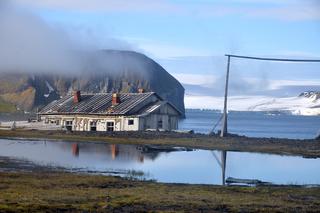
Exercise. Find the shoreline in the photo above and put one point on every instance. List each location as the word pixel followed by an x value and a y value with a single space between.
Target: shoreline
pixel 308 148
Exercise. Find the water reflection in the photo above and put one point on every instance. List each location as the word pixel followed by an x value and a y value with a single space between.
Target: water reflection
pixel 115 151
pixel 222 163
pixel 166 164
pixel 75 149
pixel 223 166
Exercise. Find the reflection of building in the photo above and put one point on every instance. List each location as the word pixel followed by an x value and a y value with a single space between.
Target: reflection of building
pixel 75 149
pixel 119 152
pixel 114 151
pixel 112 112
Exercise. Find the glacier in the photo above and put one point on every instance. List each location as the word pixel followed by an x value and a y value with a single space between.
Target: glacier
pixel 308 106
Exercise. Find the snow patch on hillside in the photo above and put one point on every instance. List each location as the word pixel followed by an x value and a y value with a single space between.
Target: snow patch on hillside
pixel 50 88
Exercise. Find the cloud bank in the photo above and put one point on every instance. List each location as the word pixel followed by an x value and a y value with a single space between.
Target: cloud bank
pixel 30 45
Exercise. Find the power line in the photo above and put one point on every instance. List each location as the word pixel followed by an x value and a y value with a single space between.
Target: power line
pixel 274 59
pixel 224 129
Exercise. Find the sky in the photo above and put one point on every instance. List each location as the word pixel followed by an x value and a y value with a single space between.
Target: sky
pixel 190 37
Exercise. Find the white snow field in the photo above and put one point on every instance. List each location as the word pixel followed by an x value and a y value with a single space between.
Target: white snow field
pixel 295 105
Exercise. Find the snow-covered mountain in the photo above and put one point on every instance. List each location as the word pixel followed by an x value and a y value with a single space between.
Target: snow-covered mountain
pixel 307 103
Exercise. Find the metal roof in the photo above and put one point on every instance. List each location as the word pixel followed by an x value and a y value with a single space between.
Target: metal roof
pixel 99 104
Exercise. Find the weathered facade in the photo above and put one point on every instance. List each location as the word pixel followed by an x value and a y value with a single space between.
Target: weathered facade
pixel 112 112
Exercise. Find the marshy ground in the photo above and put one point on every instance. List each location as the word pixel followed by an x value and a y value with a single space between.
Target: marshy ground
pixel 57 191
pixel 24 188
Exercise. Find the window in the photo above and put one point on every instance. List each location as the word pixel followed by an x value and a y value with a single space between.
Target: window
pixel 160 124
pixel 69 125
pixel 93 126
pixel 130 122
pixel 110 126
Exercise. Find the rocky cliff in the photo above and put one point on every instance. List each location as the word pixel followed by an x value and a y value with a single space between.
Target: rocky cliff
pixel 314 95
pixel 106 71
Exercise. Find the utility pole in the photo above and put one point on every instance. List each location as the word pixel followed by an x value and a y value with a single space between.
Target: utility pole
pixel 224 129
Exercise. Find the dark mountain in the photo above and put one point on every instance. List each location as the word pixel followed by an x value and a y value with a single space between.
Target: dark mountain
pixel 315 95
pixel 105 71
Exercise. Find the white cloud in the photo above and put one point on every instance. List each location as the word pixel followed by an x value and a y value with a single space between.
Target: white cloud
pixel 277 84
pixel 211 81
pixel 195 79
pixel 103 5
pixel 159 50
pixel 289 13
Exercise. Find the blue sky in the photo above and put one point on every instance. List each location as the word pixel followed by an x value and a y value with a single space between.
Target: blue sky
pixel 191 36
pixel 198 28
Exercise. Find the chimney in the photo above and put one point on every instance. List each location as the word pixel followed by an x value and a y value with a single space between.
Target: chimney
pixel 140 90
pixel 76 96
pixel 115 99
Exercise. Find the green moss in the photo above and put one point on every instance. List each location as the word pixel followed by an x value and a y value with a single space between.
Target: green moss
pixel 54 192
pixel 6 107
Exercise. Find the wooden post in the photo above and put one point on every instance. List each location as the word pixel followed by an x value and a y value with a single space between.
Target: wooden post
pixel 224 129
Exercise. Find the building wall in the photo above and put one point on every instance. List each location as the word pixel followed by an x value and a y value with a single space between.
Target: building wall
pixel 164 118
pixel 131 124
pixel 159 121
pixel 83 123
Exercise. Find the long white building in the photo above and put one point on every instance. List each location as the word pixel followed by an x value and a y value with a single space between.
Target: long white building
pixel 112 112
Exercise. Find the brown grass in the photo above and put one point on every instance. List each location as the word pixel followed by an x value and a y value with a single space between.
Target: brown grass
pixel 52 192
pixel 307 148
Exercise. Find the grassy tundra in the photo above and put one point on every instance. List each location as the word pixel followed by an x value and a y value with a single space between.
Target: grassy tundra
pixel 57 191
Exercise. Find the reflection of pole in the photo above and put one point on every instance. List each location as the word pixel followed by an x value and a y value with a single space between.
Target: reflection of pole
pixel 141 158
pixel 224 128
pixel 223 166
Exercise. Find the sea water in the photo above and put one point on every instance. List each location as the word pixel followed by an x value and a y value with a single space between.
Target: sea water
pixel 254 124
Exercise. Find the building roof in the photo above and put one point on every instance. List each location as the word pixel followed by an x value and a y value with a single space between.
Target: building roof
pixel 101 104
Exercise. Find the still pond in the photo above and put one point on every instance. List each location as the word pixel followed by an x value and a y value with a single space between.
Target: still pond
pixel 178 166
